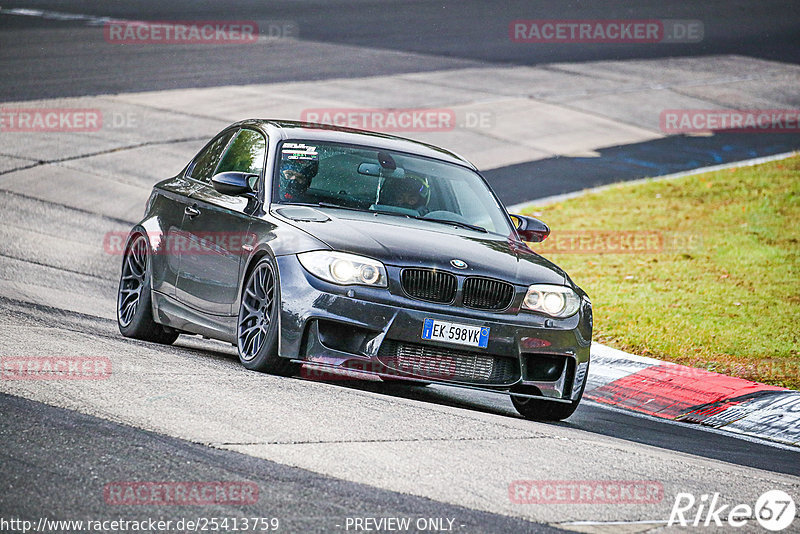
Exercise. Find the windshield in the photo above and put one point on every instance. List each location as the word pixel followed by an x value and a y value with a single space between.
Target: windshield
pixel 368 179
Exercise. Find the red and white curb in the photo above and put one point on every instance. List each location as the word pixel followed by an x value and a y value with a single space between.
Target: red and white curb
pixel 681 393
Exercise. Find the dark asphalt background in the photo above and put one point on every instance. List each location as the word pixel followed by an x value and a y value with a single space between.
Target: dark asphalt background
pixel 55 461
pixel 47 58
pixel 676 153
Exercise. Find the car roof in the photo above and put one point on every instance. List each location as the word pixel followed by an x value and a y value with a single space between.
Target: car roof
pixel 286 129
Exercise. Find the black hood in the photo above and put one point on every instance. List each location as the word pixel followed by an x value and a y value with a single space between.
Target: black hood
pixel 406 242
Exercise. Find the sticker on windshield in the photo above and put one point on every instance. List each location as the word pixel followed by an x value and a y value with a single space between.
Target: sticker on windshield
pixel 299 151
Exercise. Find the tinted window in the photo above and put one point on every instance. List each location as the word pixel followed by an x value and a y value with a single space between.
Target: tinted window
pixel 377 180
pixel 205 163
pixel 245 154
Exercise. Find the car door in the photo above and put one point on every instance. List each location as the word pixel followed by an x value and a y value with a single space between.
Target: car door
pixel 166 205
pixel 215 227
pixel 170 203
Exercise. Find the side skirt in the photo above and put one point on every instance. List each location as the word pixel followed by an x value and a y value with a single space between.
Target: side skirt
pixel 170 312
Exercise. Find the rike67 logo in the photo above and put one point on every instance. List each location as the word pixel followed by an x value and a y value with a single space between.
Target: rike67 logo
pixel 774 511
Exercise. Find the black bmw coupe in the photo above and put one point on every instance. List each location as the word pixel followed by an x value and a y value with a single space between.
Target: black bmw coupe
pixel 355 252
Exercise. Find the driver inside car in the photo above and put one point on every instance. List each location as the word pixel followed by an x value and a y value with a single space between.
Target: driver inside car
pixel 406 192
pixel 295 179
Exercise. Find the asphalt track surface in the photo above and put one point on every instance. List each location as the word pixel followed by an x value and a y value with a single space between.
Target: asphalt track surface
pixel 57 460
pixel 44 57
pixel 660 157
pixel 61 448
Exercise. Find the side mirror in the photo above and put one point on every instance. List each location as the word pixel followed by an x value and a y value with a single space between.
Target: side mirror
pixel 233 183
pixel 530 229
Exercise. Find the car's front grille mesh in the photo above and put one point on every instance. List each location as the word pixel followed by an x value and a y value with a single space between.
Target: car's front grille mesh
pixel 487 294
pixel 439 363
pixel 427 284
pixel 438 286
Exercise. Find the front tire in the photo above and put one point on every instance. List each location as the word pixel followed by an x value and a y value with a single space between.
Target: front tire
pixel 543 410
pixel 134 298
pixel 257 326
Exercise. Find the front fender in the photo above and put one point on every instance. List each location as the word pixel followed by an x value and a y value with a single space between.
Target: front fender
pixel 275 238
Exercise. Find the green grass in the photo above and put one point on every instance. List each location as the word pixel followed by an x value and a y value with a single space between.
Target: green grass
pixel 729 302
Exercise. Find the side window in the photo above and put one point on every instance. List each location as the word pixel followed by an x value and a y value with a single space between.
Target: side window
pixel 245 154
pixel 205 163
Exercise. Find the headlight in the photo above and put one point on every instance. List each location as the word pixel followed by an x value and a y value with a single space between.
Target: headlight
pixel 557 301
pixel 344 269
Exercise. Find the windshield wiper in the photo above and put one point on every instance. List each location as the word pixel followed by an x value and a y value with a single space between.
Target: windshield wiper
pixel 332 205
pixel 396 214
pixel 455 223
pixel 381 212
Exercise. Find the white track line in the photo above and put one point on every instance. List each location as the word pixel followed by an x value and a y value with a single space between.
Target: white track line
pixel 516 208
pixel 94 20
pixel 90 20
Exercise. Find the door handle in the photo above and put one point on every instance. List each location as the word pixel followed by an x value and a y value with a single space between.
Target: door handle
pixel 191 211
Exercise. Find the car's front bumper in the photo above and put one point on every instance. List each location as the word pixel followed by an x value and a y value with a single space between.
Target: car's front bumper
pixel 377 331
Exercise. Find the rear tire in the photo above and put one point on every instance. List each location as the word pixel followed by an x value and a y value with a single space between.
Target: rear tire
pixel 134 298
pixel 257 325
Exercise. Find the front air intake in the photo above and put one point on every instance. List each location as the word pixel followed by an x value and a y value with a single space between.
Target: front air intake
pixel 448 364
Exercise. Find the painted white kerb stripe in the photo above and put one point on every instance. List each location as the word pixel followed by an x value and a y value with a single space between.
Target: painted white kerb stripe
pixel 90 20
pixel 93 20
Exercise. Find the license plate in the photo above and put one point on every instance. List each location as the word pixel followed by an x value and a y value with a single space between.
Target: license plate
pixel 460 334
